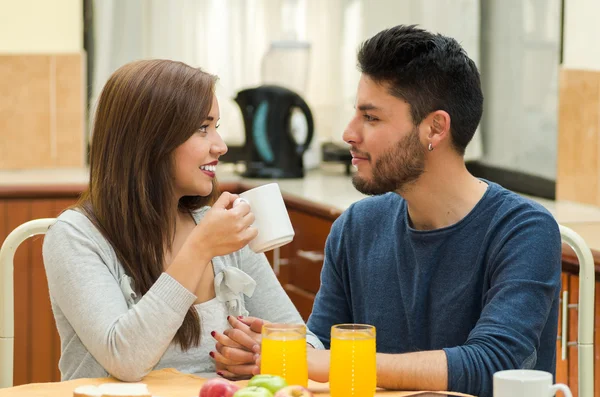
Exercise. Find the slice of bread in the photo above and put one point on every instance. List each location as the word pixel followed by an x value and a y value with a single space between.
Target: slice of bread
pixel 86 391
pixel 113 390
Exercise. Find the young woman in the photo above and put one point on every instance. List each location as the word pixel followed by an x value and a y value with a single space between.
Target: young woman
pixel 142 271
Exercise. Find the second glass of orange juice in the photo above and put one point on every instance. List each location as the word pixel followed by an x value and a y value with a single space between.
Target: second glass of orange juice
pixel 353 370
pixel 283 352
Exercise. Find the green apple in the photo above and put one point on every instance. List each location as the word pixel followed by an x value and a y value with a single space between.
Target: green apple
pixel 273 383
pixel 253 391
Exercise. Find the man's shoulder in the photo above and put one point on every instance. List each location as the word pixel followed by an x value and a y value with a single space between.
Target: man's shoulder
pixel 517 217
pixel 509 203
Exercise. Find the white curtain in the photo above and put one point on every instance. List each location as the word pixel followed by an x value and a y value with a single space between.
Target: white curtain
pixel 224 37
pixel 230 37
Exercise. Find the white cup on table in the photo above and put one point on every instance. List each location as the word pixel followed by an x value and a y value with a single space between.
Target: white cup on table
pixel 526 383
pixel 271 218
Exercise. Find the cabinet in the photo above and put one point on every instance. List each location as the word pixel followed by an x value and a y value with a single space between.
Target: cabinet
pixel 298 264
pixel 303 259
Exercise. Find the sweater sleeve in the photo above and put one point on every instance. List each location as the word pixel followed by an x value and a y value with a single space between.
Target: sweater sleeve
pixel 269 301
pixel 127 342
pixel 331 303
pixel 525 280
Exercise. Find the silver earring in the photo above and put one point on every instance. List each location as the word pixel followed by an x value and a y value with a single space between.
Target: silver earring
pixel 430 147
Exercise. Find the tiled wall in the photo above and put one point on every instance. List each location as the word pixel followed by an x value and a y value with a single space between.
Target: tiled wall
pixel 42 110
pixel 578 173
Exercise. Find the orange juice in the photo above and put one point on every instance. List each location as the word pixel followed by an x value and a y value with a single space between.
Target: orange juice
pixel 353 370
pixel 283 353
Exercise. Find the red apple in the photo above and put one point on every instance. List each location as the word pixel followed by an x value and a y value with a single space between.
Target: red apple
pixel 218 387
pixel 294 391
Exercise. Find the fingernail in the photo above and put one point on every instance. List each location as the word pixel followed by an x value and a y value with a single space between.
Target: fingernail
pixel 228 318
pixel 212 354
pixel 220 374
pixel 213 333
pixel 241 317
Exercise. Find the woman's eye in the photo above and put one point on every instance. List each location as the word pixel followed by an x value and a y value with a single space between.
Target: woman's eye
pixel 218 125
pixel 203 129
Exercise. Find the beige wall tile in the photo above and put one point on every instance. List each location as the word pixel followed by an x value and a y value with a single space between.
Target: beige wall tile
pixel 578 165
pixel 70 110
pixel 24 110
pixel 41 111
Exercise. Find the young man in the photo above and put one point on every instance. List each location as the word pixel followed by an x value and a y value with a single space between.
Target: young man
pixel 460 276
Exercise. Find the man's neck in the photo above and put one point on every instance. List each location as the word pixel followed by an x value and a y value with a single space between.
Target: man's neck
pixel 442 197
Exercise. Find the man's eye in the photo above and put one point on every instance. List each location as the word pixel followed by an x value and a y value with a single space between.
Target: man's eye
pixel 370 118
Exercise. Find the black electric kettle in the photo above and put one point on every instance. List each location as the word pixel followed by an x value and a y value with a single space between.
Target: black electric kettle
pixel 271 151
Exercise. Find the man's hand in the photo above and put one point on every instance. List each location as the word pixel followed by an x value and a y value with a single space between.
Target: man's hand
pixel 237 348
pixel 238 351
pixel 318 365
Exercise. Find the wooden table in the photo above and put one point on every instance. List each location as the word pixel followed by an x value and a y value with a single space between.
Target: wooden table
pixel 161 383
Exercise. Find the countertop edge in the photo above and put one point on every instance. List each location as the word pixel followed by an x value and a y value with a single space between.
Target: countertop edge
pixel 24 192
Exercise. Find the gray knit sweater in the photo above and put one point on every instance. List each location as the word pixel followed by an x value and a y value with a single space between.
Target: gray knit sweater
pixel 106 328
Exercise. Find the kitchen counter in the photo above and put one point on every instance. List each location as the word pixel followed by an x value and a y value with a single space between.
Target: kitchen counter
pixel 327 185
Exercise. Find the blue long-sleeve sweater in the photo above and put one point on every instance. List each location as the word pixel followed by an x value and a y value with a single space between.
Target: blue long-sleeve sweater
pixel 485 290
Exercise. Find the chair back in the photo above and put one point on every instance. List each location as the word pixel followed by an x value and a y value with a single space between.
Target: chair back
pixel 7 308
pixel 585 324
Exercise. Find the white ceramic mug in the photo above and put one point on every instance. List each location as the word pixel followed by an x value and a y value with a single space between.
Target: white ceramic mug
pixel 270 217
pixel 526 383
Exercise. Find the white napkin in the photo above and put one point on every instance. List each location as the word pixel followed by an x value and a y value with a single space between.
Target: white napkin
pixel 229 286
pixel 126 284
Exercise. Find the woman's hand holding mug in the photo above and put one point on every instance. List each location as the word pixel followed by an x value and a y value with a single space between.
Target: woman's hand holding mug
pixel 224 228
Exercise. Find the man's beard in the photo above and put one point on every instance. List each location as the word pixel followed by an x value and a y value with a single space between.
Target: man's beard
pixel 395 169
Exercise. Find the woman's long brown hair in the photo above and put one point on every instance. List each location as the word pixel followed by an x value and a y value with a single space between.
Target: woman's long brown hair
pixel 146 110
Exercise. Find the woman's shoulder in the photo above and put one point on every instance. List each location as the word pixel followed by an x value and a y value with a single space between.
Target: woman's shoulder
pixel 72 241
pixel 74 225
pixel 75 220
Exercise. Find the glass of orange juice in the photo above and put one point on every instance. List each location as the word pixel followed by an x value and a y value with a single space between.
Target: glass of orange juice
pixel 283 352
pixel 352 369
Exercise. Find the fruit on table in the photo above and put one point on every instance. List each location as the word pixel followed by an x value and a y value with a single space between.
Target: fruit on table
pixel 273 383
pixel 294 391
pixel 253 391
pixel 218 387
